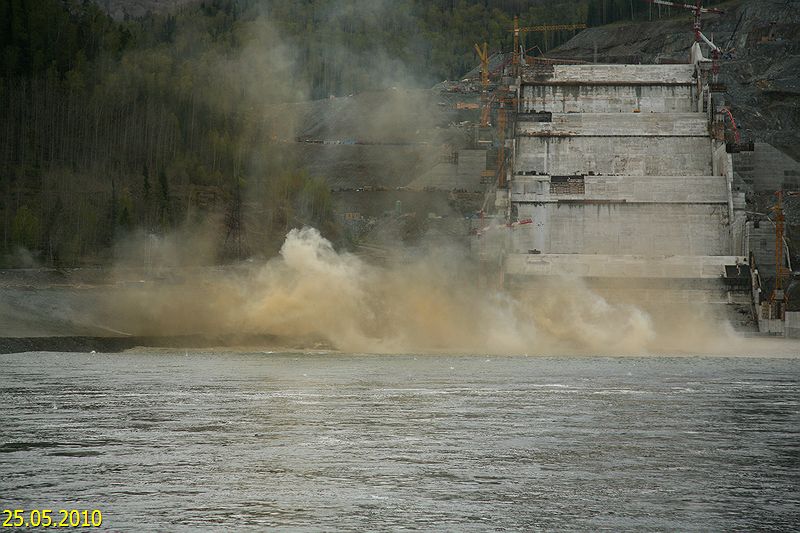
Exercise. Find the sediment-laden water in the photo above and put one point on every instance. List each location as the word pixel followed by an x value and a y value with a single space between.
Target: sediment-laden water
pixel 170 441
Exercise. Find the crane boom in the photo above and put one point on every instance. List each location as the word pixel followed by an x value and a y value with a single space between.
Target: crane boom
pixel 540 28
pixel 553 27
pixel 687 6
pixel 710 43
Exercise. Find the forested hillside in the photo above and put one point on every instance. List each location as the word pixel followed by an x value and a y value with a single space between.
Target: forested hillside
pixel 116 128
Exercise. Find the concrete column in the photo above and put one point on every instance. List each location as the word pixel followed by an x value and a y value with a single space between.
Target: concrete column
pixel 792 325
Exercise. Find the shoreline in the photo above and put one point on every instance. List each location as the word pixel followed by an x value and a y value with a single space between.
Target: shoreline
pixel 750 347
pixel 107 344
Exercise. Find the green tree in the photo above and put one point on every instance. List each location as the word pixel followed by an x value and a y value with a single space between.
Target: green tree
pixel 26 228
pixel 164 205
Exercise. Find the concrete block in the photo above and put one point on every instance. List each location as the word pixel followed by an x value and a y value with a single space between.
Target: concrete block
pixel 792 324
pixel 618 99
pixel 700 271
pixel 634 156
pixel 767 168
pixel 620 73
pixel 619 125
pixel 643 229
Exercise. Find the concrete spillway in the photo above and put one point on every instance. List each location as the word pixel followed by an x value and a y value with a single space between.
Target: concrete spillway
pixel 626 180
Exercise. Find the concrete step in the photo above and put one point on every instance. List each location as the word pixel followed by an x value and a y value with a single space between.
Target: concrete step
pixel 617 125
pixel 622 266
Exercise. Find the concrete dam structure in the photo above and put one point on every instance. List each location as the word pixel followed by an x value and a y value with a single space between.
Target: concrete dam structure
pixel 622 173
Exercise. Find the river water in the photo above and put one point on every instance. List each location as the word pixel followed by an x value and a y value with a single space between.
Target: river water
pixel 166 441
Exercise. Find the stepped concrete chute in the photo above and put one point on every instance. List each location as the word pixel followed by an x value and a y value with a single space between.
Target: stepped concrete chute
pixel 625 183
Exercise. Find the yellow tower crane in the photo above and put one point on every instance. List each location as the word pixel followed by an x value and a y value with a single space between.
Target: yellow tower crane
pixel 541 28
pixel 483 54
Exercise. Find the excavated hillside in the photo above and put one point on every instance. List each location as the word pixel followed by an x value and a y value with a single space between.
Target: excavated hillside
pixel 390 159
pixel 383 139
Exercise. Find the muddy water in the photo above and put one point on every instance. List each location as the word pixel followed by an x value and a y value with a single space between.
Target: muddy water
pixel 178 441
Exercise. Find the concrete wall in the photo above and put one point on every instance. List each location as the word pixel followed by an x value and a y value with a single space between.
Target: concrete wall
pixel 767 169
pixel 648 189
pixel 792 325
pixel 465 174
pixel 649 280
pixel 470 165
pixel 762 246
pixel 608 99
pixel 708 268
pixel 643 229
pixel 772 326
pixel 620 73
pixel 620 124
pixel 637 156
pixel 715 299
pixel 443 175
pixel 722 165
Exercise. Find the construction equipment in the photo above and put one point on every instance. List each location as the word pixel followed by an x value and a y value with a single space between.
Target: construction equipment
pixel 515 61
pixel 483 54
pixel 733 143
pixel 506 106
pixel 729 48
pixel 698 10
pixel 501 150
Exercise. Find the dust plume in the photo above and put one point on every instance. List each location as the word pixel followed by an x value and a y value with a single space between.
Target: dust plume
pixel 311 293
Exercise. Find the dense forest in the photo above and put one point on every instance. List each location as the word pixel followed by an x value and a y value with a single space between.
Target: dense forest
pixel 116 128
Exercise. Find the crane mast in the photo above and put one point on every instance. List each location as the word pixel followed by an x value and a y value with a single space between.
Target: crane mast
pixel 483 55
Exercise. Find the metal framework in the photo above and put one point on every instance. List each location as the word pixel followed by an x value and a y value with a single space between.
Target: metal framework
pixel 515 61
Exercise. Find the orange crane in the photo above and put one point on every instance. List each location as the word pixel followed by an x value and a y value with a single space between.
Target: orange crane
pixel 483 54
pixel 541 28
pixel 781 272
